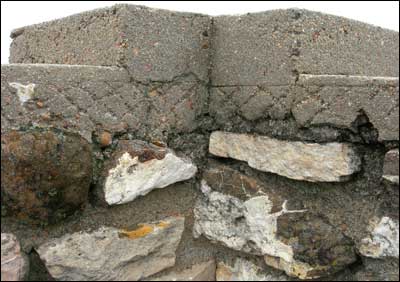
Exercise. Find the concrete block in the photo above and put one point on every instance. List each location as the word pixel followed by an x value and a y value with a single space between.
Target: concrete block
pixel 84 99
pixel 154 45
pixel 273 47
pixel 340 101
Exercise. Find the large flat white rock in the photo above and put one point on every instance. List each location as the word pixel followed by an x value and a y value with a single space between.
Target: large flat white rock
pixel 331 162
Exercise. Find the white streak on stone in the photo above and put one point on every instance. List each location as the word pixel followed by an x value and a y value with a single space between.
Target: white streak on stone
pixel 244 270
pixel 217 220
pixel 331 162
pixel 131 178
pixel 250 227
pixel 24 92
pixel 392 178
pixel 383 241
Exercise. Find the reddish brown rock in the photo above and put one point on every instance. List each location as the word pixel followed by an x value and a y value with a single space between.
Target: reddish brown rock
pixel 45 174
pixel 105 139
pixel 14 264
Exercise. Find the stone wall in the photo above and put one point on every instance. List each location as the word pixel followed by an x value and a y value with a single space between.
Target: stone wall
pixel 142 144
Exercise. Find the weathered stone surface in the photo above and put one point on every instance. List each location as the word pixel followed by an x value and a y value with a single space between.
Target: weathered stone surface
pixel 297 160
pixel 302 245
pixel 383 240
pixel 112 254
pixel 14 264
pixel 391 166
pixel 273 47
pixel 137 167
pixel 245 270
pixel 198 272
pixel 155 45
pixel 45 174
pixel 84 99
pixel 378 270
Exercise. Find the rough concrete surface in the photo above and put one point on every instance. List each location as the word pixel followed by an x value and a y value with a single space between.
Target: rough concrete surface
pixel 169 81
pixel 272 47
pixel 154 45
pixel 84 98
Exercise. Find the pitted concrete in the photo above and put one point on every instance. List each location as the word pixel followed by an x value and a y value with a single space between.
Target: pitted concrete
pixel 84 98
pixel 154 45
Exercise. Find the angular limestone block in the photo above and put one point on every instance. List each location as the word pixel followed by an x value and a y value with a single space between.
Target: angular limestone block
pixel 154 45
pixel 112 254
pixel 313 162
pixel 391 166
pixel 304 247
pixel 136 168
pixel 14 263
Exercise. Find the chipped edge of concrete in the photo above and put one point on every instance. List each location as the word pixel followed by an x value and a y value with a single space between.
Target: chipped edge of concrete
pixel 346 80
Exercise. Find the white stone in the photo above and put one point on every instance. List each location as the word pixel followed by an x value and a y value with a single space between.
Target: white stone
pixel 252 227
pixel 331 162
pixel 24 92
pixel 248 226
pixel 14 263
pixel 109 254
pixel 259 224
pixel 383 240
pixel 244 270
pixel 131 178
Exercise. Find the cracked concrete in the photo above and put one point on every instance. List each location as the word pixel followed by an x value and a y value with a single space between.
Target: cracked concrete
pixel 81 98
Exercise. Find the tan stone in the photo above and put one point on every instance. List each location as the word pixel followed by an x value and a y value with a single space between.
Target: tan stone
pixel 331 162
